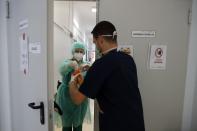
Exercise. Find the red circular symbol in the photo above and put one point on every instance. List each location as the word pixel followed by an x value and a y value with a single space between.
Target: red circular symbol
pixel 158 52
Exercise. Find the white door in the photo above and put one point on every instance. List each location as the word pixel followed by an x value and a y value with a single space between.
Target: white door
pixel 28 69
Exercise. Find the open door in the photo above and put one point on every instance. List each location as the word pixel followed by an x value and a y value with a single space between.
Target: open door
pixel 28 48
pixel 73 21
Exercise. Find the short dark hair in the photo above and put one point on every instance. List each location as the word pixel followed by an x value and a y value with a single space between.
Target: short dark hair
pixel 105 28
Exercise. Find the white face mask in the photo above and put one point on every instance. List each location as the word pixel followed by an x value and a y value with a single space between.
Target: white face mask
pixel 78 56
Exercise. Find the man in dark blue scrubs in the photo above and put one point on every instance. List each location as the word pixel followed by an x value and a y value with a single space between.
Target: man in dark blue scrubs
pixel 112 80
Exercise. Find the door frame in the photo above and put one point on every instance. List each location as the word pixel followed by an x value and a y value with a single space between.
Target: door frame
pixel 5 112
pixel 50 69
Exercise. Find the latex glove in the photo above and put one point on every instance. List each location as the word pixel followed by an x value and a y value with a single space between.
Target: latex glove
pixel 74 65
pixel 84 67
pixel 80 79
pixel 77 77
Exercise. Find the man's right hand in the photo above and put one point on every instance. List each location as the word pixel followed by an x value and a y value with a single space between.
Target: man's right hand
pixel 77 77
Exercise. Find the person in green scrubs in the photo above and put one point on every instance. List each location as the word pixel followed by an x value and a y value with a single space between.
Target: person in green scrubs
pixel 73 115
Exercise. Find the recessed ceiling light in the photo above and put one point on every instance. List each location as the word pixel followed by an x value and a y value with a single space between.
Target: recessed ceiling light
pixel 93 9
pixel 75 23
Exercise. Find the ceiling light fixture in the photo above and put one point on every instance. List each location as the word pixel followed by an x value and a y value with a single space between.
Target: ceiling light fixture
pixel 93 9
pixel 75 23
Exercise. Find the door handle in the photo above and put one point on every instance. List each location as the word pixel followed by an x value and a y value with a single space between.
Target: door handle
pixel 41 107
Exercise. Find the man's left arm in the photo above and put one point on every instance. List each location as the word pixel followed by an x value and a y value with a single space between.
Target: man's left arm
pixel 76 96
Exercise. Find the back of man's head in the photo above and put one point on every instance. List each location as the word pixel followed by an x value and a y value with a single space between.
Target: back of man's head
pixel 105 29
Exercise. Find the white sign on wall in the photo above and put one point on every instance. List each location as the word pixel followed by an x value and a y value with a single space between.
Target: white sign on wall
pixel 143 34
pixel 35 48
pixel 23 24
pixel 24 56
pixel 158 57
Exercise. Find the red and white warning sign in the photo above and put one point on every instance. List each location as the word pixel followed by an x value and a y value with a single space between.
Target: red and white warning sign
pixel 158 57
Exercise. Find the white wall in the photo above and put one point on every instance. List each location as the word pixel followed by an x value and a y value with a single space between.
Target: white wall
pixel 62 42
pixel 5 113
pixel 190 103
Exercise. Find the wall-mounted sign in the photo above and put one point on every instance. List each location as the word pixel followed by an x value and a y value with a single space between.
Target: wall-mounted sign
pixel 35 48
pixel 24 56
pixel 143 34
pixel 23 24
pixel 158 57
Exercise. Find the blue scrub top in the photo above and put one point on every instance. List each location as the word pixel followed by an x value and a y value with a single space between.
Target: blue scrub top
pixel 112 80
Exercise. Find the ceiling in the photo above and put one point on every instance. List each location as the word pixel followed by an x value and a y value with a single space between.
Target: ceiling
pixel 82 13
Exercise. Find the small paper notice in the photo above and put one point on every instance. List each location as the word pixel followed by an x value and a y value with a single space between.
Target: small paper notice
pixel 23 24
pixel 35 48
pixel 24 58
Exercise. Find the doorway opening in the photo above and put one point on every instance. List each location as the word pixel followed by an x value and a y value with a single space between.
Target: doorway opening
pixel 73 22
